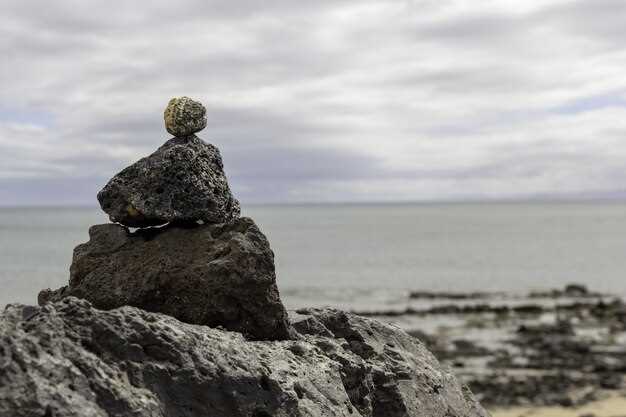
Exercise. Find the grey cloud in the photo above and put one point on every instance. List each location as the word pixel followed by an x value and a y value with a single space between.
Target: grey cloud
pixel 325 96
pixel 599 19
pixel 582 19
pixel 461 80
pixel 273 164
pixel 272 174
pixel 478 29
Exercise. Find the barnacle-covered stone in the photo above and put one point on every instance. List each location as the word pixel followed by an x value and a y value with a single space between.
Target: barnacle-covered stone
pixel 184 116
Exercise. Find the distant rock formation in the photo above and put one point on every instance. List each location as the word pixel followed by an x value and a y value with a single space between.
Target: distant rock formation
pixel 207 333
pixel 68 359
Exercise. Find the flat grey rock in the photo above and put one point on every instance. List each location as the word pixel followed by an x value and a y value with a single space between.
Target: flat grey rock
pixel 216 275
pixel 68 359
pixel 182 181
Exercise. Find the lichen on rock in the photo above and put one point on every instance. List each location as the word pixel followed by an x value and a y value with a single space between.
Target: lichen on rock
pixel 184 116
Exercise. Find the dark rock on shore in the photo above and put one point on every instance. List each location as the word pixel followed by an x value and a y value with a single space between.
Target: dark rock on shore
pixel 554 388
pixel 217 275
pixel 560 347
pixel 183 181
pixel 570 291
pixel 69 359
pixel 450 295
pixel 458 309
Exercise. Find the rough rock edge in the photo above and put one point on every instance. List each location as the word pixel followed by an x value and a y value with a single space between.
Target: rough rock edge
pixel 68 359
pixel 216 275
pixel 182 181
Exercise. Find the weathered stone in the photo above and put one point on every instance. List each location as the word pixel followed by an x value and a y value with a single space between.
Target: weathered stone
pixel 184 116
pixel 385 371
pixel 216 275
pixel 182 181
pixel 67 359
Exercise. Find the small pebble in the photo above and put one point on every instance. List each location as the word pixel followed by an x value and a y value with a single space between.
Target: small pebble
pixel 184 116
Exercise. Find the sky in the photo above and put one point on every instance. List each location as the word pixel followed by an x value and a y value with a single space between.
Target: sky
pixel 320 101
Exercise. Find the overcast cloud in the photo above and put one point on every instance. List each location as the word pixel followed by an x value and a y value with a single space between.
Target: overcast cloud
pixel 322 100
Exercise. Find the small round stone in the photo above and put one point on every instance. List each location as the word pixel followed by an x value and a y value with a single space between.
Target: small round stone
pixel 184 116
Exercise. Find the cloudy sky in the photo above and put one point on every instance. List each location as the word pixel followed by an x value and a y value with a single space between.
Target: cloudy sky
pixel 320 100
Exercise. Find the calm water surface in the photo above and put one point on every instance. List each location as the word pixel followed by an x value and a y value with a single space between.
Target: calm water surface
pixel 370 256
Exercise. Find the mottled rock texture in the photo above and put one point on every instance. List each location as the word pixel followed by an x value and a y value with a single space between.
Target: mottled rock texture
pixel 183 181
pixel 67 359
pixel 184 116
pixel 217 275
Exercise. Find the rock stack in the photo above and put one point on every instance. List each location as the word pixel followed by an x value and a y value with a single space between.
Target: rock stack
pixel 203 265
pixel 141 329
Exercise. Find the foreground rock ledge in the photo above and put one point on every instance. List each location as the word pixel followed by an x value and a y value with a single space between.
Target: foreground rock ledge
pixel 216 275
pixel 70 359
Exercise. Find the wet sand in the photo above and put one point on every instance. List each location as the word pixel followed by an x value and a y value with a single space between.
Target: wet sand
pixel 612 406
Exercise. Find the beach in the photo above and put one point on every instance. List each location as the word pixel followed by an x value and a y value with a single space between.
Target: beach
pixel 612 406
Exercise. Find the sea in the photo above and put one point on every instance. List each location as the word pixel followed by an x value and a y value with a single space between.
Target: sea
pixel 370 256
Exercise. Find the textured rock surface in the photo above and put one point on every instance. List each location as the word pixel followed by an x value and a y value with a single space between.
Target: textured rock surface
pixel 184 116
pixel 218 275
pixel 182 181
pixel 68 359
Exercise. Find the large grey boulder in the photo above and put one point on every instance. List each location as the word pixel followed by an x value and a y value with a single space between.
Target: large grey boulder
pixel 182 181
pixel 217 275
pixel 68 359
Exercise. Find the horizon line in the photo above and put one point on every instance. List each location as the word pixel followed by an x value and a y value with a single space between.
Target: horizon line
pixel 512 200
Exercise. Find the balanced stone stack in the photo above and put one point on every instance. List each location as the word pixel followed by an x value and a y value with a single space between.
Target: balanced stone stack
pixel 203 265
pixel 182 317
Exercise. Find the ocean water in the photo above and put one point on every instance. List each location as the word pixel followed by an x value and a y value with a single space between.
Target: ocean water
pixel 370 256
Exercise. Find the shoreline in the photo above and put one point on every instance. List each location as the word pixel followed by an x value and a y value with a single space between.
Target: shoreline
pixel 561 348
pixel 612 406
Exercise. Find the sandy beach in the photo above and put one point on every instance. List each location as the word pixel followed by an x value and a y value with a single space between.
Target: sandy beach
pixel 613 405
